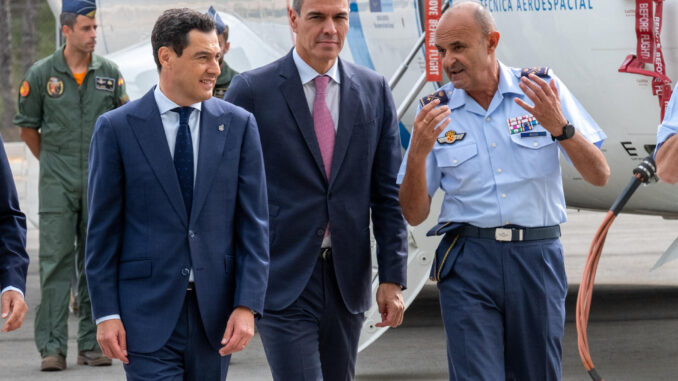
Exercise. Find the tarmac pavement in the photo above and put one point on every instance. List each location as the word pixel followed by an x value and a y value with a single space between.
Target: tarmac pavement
pixel 633 332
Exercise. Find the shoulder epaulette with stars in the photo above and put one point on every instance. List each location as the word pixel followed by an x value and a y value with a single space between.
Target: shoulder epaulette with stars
pixel 538 71
pixel 440 94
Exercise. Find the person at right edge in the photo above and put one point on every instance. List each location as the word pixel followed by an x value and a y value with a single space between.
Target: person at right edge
pixel 666 152
pixel 493 149
pixel 331 144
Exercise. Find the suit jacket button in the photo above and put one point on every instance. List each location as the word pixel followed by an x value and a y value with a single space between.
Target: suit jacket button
pixel 185 271
pixel 320 233
pixel 191 234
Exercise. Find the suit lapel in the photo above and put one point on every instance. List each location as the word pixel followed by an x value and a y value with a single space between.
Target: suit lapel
pixel 296 100
pixel 348 106
pixel 148 128
pixel 210 152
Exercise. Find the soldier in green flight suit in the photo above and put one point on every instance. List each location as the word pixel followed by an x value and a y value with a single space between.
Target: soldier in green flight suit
pixel 59 101
pixel 227 73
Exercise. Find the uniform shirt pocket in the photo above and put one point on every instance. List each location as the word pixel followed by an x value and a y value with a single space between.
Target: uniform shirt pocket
pixel 454 156
pixel 539 154
pixel 458 165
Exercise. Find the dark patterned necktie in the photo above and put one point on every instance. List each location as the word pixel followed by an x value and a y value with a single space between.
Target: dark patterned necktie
pixel 183 156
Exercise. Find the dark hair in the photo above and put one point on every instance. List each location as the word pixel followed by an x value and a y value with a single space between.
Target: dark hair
pixel 172 28
pixel 225 33
pixel 69 19
pixel 296 5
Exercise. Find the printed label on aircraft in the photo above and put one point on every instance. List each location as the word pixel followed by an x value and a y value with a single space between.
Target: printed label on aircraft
pixel 505 6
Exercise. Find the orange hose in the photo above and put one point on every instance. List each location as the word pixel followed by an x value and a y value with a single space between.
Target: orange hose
pixel 586 291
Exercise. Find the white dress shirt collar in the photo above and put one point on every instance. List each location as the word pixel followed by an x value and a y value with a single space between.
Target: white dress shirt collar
pixel 307 73
pixel 165 104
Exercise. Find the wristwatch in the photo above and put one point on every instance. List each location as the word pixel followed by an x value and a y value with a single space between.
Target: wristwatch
pixel 568 132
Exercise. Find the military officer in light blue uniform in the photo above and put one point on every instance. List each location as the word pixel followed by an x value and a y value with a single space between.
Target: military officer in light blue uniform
pixel 491 141
pixel 667 156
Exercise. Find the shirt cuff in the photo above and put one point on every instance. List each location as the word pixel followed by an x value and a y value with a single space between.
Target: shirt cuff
pixel 109 317
pixel 12 288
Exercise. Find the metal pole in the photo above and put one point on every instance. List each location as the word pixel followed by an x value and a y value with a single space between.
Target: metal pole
pixel 401 70
pixel 410 56
pixel 407 102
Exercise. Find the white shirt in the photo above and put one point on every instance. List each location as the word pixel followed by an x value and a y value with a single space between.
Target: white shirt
pixel 307 75
pixel 170 123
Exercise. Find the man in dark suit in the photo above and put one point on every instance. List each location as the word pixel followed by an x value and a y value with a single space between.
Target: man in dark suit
pixel 331 147
pixel 13 256
pixel 177 263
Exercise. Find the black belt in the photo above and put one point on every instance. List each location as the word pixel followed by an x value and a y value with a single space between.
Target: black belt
pixel 512 234
pixel 326 253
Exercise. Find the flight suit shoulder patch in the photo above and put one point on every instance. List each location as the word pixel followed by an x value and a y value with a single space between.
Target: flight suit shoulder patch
pixel 104 83
pixel 25 89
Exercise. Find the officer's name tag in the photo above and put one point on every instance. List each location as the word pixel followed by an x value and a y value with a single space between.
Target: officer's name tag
pixel 104 83
pixel 440 94
pixel 532 134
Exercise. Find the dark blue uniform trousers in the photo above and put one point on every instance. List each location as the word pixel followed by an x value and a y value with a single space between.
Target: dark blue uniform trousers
pixel 316 337
pixel 187 355
pixel 503 307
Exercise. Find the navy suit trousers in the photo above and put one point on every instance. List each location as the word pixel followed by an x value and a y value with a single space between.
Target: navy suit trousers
pixel 503 307
pixel 187 355
pixel 315 338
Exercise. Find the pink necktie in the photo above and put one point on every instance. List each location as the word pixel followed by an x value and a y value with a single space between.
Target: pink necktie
pixel 324 127
pixel 322 122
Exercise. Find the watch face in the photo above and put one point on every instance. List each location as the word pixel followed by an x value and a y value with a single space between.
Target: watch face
pixel 568 131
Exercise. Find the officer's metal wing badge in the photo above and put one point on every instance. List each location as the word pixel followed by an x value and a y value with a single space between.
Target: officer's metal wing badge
pixel 451 137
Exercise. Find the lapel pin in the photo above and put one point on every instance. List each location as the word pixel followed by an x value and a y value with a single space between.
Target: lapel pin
pixel 221 127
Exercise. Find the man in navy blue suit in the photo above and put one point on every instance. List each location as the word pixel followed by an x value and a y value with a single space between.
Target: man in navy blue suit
pixel 177 254
pixel 13 256
pixel 329 133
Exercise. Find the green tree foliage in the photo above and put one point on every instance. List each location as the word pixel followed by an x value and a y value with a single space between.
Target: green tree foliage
pixel 45 26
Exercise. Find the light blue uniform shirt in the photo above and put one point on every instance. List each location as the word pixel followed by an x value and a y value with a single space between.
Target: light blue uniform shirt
pixel 492 178
pixel 669 126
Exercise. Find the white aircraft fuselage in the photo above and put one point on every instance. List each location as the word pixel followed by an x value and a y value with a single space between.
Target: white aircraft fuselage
pixel 583 41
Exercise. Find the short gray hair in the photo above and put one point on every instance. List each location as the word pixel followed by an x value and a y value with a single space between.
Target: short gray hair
pixel 481 14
